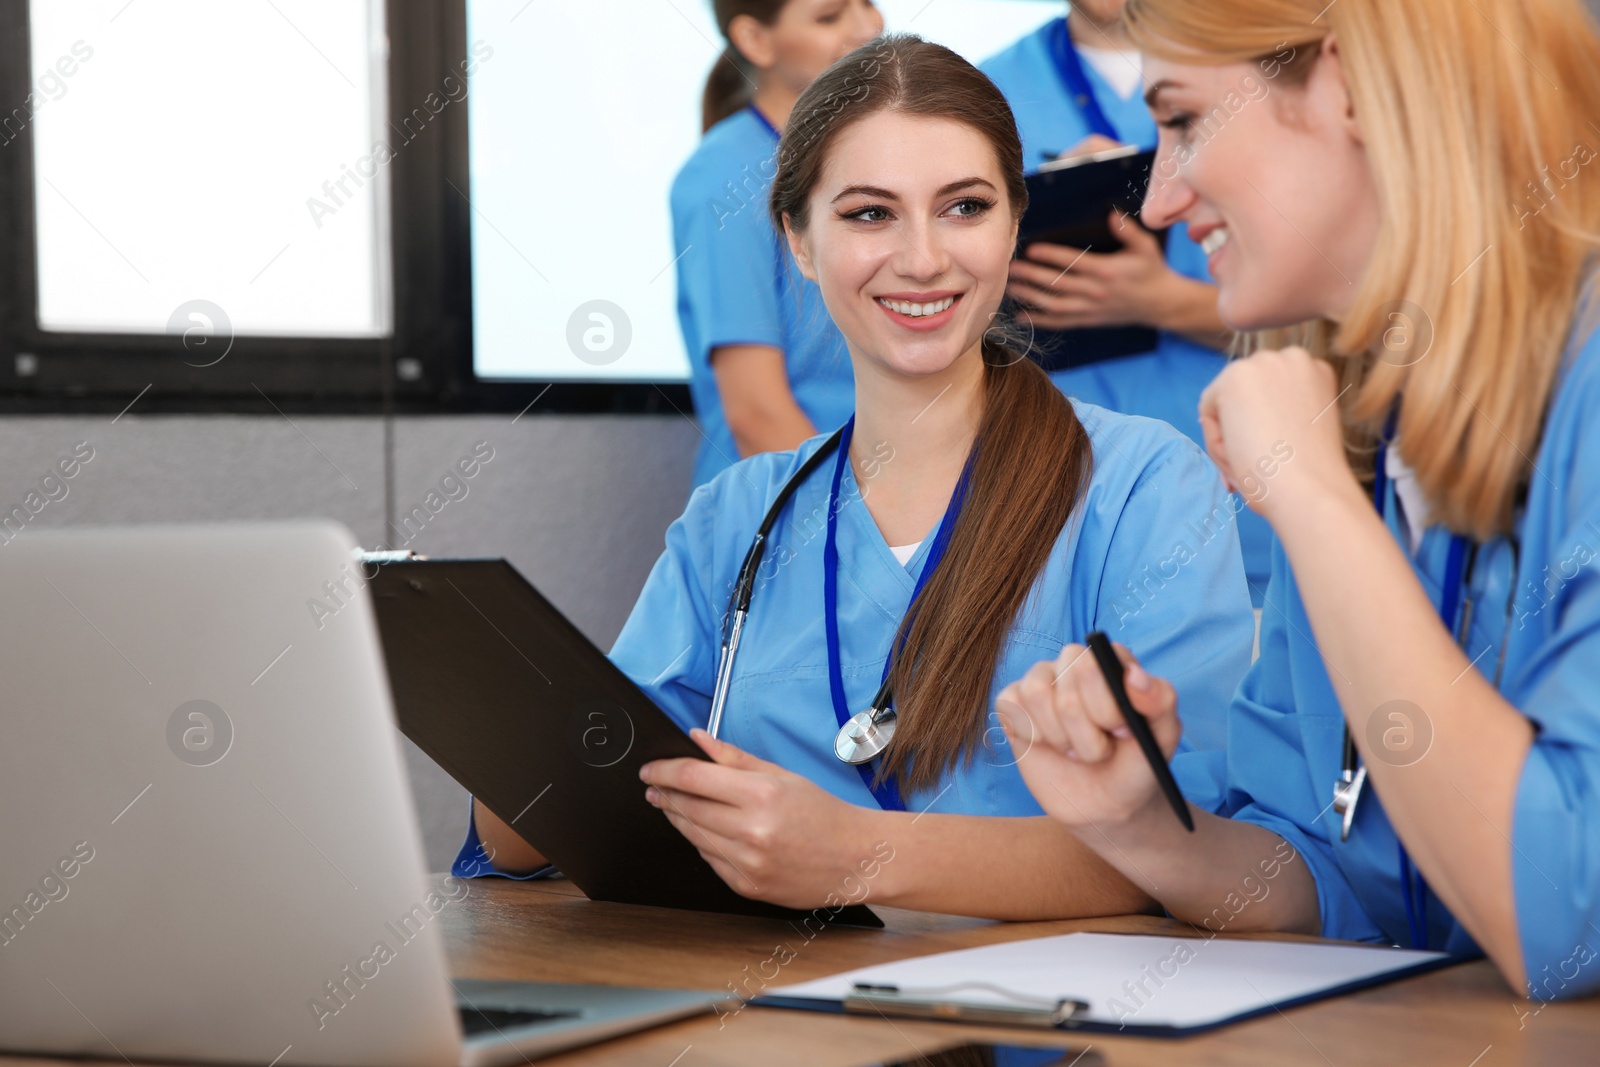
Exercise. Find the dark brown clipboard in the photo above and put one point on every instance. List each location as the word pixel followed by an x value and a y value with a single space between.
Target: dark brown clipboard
pixel 503 692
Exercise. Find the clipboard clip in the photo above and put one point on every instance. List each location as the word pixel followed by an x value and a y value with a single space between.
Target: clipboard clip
pixel 364 556
pixel 938 1002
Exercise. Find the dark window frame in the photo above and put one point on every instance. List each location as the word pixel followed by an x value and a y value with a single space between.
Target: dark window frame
pixel 432 272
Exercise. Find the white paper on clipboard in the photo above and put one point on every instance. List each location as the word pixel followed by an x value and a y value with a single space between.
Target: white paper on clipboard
pixel 1139 982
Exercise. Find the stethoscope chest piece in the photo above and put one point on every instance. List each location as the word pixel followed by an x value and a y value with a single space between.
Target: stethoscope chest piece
pixel 864 736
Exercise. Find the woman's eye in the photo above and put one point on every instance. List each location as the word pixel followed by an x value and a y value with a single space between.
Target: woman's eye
pixel 1179 122
pixel 868 214
pixel 971 206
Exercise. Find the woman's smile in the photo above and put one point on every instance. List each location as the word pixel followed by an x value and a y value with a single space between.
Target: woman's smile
pixel 922 312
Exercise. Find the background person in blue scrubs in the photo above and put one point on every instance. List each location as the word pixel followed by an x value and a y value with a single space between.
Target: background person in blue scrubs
pixel 1431 312
pixel 1076 85
pixel 768 367
pixel 1031 521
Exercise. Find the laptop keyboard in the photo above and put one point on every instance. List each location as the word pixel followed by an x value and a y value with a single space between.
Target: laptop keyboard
pixel 475 1021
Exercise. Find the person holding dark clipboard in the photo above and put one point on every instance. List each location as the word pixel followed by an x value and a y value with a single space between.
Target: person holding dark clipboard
pixel 841 616
pixel 1406 225
pixel 1075 86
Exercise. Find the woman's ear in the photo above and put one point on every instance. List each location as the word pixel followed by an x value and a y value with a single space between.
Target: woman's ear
pixel 797 247
pixel 1330 67
pixel 752 40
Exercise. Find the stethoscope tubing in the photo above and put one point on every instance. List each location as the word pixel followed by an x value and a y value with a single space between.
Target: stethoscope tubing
pixel 744 588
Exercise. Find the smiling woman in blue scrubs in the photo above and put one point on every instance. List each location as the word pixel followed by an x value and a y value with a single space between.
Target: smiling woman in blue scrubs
pixel 1075 84
pixel 1025 521
pixel 768 368
pixel 1415 759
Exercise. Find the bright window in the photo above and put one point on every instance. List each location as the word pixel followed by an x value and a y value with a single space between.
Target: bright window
pixel 581 114
pixel 193 157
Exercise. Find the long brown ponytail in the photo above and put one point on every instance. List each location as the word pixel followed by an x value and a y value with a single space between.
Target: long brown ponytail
pixel 728 85
pixel 1033 457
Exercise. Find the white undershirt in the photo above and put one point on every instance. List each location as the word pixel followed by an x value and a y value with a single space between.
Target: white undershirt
pixel 1413 503
pixel 905 552
pixel 1123 71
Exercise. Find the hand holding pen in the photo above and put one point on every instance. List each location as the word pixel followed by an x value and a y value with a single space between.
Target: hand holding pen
pixel 1092 732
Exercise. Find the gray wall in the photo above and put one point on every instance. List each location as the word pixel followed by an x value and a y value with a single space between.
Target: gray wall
pixel 577 503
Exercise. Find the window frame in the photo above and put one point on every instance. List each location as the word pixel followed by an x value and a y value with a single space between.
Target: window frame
pixel 430 226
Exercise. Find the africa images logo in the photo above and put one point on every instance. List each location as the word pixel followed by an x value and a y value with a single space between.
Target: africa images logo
pixel 199 733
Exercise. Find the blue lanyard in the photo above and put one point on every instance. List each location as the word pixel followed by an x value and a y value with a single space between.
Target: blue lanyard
pixel 886 792
pixel 1411 879
pixel 1069 65
pixel 765 122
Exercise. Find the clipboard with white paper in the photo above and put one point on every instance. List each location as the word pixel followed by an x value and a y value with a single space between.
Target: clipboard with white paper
pixel 1137 984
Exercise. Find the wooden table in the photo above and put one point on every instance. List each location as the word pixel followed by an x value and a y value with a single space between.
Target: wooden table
pixel 1463 1016
pixel 547 931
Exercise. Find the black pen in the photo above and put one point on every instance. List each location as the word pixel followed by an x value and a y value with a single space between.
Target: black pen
pixel 1112 668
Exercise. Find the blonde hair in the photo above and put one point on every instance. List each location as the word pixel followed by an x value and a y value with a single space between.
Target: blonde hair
pixel 1476 118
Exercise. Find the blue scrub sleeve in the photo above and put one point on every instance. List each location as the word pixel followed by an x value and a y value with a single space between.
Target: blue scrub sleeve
pixel 1555 831
pixel 473 860
pixel 1555 881
pixel 670 643
pixel 1174 592
pixel 729 274
pixel 1269 779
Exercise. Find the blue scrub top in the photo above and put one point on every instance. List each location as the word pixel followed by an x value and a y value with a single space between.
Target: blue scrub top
pixel 1149 557
pixel 1165 383
pixel 738 284
pixel 1134 561
pixel 1285 731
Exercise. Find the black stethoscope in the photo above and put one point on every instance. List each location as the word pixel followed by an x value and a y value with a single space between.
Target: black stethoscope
pixel 1455 601
pixel 863 736
pixel 739 603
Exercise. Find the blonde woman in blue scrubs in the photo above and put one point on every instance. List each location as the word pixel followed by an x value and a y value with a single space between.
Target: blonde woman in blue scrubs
pixel 768 369
pixel 1408 218
pixel 972 516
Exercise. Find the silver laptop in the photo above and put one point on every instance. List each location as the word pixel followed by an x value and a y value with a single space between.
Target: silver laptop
pixel 208 849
